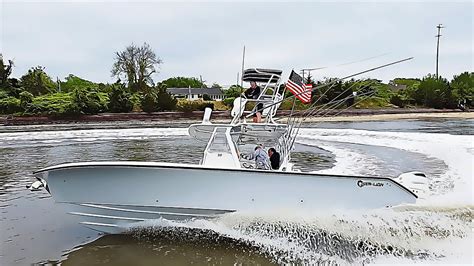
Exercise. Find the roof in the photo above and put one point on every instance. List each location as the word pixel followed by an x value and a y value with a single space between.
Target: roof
pixel 185 91
pixel 262 75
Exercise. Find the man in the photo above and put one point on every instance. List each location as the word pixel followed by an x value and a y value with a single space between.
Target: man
pixel 253 93
pixel 261 158
pixel 274 158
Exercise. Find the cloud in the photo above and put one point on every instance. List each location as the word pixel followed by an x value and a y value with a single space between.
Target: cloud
pixel 206 38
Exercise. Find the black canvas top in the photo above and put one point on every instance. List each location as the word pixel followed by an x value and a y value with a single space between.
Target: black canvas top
pixel 262 75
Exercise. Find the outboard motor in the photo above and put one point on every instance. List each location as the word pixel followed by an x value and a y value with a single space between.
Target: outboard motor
pixel 415 181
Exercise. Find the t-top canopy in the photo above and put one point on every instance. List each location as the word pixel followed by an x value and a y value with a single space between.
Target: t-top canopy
pixel 262 75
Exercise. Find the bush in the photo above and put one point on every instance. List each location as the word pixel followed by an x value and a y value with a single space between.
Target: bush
pixel 229 101
pixel 37 82
pixel 51 104
pixel 25 99
pixel 437 92
pixel 398 100
pixel 206 97
pixel 373 102
pixel 87 102
pixel 72 82
pixel 10 105
pixel 234 91
pixel 189 106
pixel 165 101
pixel 120 100
pixel 149 101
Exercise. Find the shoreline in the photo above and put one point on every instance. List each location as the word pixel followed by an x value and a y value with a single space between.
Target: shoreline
pixel 165 119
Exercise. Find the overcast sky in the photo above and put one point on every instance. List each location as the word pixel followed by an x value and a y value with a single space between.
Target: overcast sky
pixel 195 38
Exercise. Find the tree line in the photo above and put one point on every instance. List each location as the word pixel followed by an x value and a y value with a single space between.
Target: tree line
pixel 135 90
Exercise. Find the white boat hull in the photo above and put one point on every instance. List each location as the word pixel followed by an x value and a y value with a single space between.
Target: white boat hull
pixel 110 196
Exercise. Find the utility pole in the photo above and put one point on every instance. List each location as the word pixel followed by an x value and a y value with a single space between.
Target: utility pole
pixel 440 26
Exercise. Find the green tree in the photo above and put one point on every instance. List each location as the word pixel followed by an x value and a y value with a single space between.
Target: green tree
pixel 120 99
pixel 165 101
pixel 5 72
pixel 149 100
pixel 436 92
pixel 234 91
pixel 216 86
pixel 183 82
pixel 73 82
pixel 37 82
pixel 86 101
pixel 463 87
pixel 136 64
pixel 26 98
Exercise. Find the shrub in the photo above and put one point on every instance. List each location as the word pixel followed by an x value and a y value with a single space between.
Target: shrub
pixel 72 82
pixel 165 101
pixel 398 100
pixel 229 101
pixel 149 101
pixel 120 100
pixel 87 102
pixel 189 106
pixel 10 105
pixel 206 97
pixel 25 99
pixel 37 82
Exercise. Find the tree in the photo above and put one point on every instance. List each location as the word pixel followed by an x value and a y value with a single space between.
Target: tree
pixel 234 91
pixel 436 92
pixel 136 64
pixel 5 72
pixel 463 87
pixel 183 82
pixel 165 101
pixel 149 100
pixel 37 82
pixel 216 86
pixel 73 82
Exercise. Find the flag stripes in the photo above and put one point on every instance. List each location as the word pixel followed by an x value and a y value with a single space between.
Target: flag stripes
pixel 296 86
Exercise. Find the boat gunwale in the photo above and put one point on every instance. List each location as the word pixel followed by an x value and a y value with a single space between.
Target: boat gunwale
pixel 134 164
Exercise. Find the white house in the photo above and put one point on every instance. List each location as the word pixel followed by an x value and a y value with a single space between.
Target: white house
pixel 196 93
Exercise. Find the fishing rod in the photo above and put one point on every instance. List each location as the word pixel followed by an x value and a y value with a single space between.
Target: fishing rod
pixel 369 94
pixel 333 82
pixel 313 110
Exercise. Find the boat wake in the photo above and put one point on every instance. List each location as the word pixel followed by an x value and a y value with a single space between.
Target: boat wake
pixel 405 234
pixel 450 183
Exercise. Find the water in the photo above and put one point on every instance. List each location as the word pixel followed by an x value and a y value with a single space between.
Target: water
pixel 436 230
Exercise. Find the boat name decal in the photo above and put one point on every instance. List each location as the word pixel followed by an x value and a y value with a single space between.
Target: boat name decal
pixel 361 183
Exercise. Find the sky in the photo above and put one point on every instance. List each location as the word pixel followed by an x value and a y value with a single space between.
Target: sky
pixel 207 38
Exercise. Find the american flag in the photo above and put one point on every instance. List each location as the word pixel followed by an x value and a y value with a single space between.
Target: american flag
pixel 298 88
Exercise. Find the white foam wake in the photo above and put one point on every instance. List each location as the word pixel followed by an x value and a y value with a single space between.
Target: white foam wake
pixel 89 135
pixel 455 150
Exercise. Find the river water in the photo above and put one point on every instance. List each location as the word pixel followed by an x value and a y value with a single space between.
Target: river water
pixel 438 229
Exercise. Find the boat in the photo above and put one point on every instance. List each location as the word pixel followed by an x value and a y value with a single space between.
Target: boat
pixel 115 196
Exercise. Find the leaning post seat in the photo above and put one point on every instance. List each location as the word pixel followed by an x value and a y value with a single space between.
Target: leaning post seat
pixel 262 75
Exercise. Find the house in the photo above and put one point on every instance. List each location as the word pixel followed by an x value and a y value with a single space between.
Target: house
pixel 192 94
